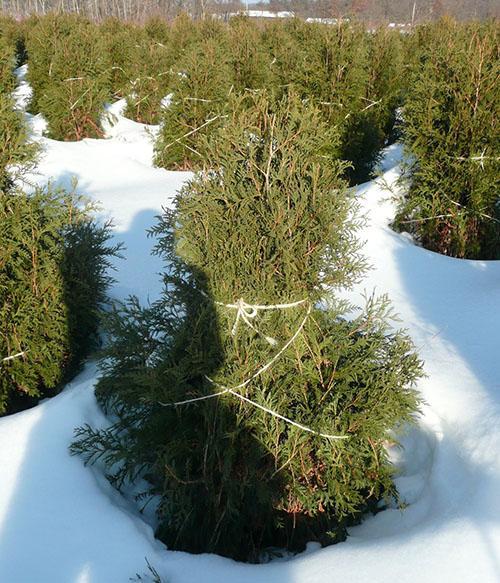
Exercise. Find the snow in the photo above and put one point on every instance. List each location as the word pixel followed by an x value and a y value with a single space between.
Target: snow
pixel 63 523
pixel 263 14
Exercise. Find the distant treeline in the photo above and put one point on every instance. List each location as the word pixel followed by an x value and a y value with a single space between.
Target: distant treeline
pixel 372 11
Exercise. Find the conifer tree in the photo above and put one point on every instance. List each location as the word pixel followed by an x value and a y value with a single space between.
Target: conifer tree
pixel 17 154
pixel 331 67
pixel 150 81
pixel 12 34
pixel 452 134
pixel 7 60
pixel 257 416
pixel 53 281
pixel 200 91
pixel 69 74
pixel 249 58
pixel 120 40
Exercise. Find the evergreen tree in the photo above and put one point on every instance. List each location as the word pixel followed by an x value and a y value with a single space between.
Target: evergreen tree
pixel 53 262
pixel 331 66
pixel 69 74
pixel 12 34
pixel 120 39
pixel 150 81
pixel 201 87
pixel 249 58
pixel 256 426
pixel 7 60
pixel 451 133
pixel 17 154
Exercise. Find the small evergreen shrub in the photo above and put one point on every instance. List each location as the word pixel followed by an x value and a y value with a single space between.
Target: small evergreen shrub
pixel 150 81
pixel 120 39
pixel 249 59
pixel 334 67
pixel 267 221
pixel 387 79
pixel 69 74
pixel 17 154
pixel 53 262
pixel 451 134
pixel 371 124
pixel 201 87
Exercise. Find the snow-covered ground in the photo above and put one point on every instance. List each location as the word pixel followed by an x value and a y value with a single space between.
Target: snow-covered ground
pixel 62 523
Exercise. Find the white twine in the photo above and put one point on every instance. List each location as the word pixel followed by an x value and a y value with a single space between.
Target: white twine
pixel 209 121
pixel 246 311
pixel 286 419
pixel 19 354
pixel 481 158
pixel 273 359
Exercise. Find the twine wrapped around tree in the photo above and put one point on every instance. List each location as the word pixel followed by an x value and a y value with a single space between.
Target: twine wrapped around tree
pixel 259 421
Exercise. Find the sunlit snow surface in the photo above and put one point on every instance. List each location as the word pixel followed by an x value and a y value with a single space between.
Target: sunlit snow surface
pixel 62 523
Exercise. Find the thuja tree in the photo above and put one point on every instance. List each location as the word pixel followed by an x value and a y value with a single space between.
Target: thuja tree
pixel 7 60
pixel 200 91
pixel 370 124
pixel 451 133
pixel 69 73
pixel 258 417
pixel 387 80
pixel 330 66
pixel 121 40
pixel 17 153
pixel 12 34
pixel 150 81
pixel 287 45
pixel 53 280
pixel 249 58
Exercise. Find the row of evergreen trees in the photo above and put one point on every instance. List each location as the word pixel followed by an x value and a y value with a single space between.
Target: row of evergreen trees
pixel 53 263
pixel 76 65
pixel 356 79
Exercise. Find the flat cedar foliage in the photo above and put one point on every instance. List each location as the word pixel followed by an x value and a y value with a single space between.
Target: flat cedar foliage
pixel 53 263
pixel 452 134
pixel 201 87
pixel 354 78
pixel 121 40
pixel 266 220
pixel 69 73
pixel 150 82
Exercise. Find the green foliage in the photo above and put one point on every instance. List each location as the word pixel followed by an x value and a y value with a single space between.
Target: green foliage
pixel 53 260
pixel 249 58
pixel 12 34
pixel 349 74
pixel 452 136
pixel 150 80
pixel 69 74
pixel 120 40
pixel 17 154
pixel 7 61
pixel 201 86
pixel 387 79
pixel 268 221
